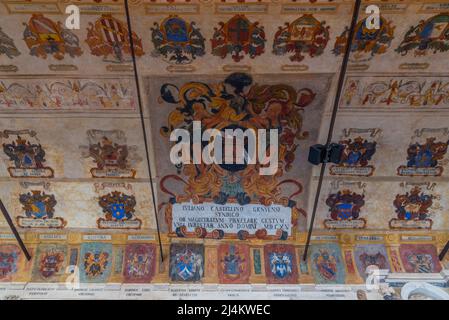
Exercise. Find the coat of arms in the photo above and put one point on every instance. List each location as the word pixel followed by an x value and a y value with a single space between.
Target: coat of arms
pixel 177 40
pixel 304 35
pixel 140 263
pixel 39 209
pixel 326 264
pixel 234 263
pixel 237 104
pixel 46 37
pixel 119 212
pixel 421 263
pixel 28 157
pixel 7 46
pixel 424 159
pixel 344 207
pixel 238 36
pixel 9 257
pixel 51 263
pixel 186 262
pixel 95 263
pixel 112 156
pixel 367 42
pixel 373 259
pixel 109 37
pixel 412 209
pixel 355 157
pixel 280 264
pixel 431 35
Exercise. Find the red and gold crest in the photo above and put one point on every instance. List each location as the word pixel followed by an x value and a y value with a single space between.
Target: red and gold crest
pixel 46 37
pixel 109 36
pixel 238 36
pixel 304 35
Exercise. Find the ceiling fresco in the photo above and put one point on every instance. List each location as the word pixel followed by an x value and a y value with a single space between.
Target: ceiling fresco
pixel 85 169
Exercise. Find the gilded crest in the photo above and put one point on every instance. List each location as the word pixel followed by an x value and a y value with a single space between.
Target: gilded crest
pixel 39 210
pixel 177 41
pixel 45 37
pixel 96 263
pixel 344 208
pixel 431 35
pixel 108 37
pixel 305 35
pixel 326 264
pixel 366 42
pixel 413 210
pixel 425 159
pixel 111 154
pixel 38 205
pixel 355 157
pixel 119 212
pixel 238 37
pixel 51 263
pixel 28 157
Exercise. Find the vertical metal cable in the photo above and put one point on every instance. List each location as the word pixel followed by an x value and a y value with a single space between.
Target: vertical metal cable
pixel 341 79
pixel 139 98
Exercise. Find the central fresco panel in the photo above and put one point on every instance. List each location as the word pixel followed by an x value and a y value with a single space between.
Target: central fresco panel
pixel 73 164
pixel 234 200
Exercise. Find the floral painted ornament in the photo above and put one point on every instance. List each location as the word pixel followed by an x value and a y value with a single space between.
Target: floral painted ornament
pixel 45 37
pixel 177 41
pixel 304 35
pixel 237 37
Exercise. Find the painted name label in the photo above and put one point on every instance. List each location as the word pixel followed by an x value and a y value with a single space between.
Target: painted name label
pixel 388 7
pixel 51 236
pixel 417 238
pixel 241 8
pixel 140 237
pixel 435 7
pixel 106 8
pixel 301 8
pixel 32 7
pixel 369 238
pixel 231 218
pixel 97 237
pixel 171 8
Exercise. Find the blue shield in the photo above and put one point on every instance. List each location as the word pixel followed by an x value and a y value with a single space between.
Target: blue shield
pixel 344 210
pixel 118 211
pixel 176 30
pixel 39 209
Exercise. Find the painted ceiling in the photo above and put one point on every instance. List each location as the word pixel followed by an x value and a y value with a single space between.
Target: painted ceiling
pixel 85 170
